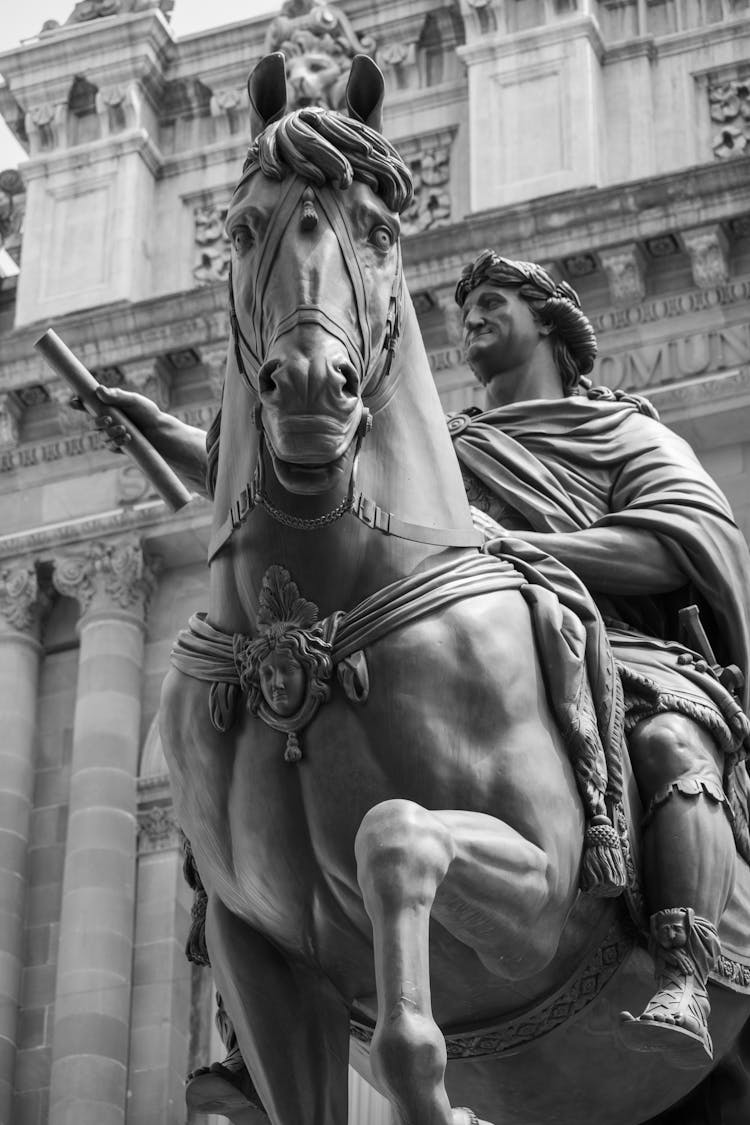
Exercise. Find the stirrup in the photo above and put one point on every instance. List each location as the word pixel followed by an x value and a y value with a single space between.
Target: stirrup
pixel 675 1020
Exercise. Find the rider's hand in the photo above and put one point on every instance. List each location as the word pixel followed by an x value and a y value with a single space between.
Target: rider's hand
pixel 140 410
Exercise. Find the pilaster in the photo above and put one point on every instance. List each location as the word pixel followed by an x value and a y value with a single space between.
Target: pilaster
pixel 20 605
pixel 112 582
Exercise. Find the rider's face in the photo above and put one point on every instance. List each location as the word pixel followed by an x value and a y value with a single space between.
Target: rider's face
pixel 500 330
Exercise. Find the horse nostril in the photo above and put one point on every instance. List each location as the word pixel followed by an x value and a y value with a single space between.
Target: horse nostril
pixel 348 373
pixel 266 381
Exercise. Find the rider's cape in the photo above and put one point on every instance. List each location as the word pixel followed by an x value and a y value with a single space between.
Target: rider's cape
pixel 574 463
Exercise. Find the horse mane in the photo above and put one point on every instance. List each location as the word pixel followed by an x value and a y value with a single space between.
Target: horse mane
pixel 325 147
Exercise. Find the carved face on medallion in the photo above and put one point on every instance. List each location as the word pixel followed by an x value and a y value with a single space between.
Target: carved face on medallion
pixel 283 681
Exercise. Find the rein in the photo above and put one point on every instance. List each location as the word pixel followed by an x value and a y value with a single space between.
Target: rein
pixel 373 366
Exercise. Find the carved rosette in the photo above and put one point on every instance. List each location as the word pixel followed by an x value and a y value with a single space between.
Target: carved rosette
pixel 20 599
pixel 730 111
pixel 107 575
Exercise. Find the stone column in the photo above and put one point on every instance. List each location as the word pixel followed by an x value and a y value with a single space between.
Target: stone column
pixel 92 1001
pixel 19 677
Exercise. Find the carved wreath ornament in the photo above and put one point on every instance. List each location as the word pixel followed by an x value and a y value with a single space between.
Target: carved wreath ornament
pixel 285 670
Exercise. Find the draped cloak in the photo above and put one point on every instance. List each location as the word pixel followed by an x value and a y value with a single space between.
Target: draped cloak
pixel 565 465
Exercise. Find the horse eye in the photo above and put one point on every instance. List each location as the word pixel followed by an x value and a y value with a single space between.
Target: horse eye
pixel 381 238
pixel 242 239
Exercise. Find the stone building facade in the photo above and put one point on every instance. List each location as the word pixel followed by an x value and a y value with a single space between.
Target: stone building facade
pixel 607 139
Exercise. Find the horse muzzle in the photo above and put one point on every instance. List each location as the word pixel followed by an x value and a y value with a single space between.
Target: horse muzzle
pixel 311 410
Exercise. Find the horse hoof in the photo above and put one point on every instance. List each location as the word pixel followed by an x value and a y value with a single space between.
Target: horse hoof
pixel 462 1115
pixel 212 1090
pixel 680 1047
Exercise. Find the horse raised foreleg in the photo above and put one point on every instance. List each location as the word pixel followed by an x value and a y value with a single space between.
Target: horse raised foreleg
pixel 503 896
pixel 291 1024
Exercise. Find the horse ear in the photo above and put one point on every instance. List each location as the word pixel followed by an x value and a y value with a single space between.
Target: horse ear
pixel 364 92
pixel 267 89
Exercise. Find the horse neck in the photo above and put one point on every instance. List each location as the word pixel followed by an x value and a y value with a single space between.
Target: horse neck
pixel 406 465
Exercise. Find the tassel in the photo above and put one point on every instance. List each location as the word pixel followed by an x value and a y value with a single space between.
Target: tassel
pixel 293 753
pixel 603 867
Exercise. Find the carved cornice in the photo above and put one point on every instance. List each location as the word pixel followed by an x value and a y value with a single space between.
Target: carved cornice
pixel 104 336
pixel 735 292
pixel 107 575
pixel 595 217
pixel 21 602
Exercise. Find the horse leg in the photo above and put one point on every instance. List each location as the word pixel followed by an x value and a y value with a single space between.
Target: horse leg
pixel 486 884
pixel 291 1024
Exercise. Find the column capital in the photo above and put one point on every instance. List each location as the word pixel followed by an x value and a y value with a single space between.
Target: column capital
pixel 106 576
pixel 22 603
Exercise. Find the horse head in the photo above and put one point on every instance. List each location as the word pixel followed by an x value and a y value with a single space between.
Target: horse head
pixel 316 281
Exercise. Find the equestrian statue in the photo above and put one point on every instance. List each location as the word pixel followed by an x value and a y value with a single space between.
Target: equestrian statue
pixel 464 786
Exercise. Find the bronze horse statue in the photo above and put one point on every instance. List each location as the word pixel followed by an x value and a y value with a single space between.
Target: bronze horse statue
pixel 379 797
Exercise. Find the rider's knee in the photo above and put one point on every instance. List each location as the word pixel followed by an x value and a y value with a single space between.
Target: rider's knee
pixel 665 748
pixel 402 848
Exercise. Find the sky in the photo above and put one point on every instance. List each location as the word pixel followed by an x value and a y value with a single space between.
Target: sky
pixel 24 19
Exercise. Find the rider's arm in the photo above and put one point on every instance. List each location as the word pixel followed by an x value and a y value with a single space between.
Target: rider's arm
pixel 182 446
pixel 610 560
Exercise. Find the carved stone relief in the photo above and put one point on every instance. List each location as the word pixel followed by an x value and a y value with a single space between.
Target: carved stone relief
pixel 709 255
pixel 229 109
pixel 318 43
pixel 19 596
pixel 9 418
pixel 212 245
pixel 119 107
pixel 71 421
pixel 150 377
pixel 46 127
pixel 12 206
pixel 625 270
pixel 730 111
pixel 430 165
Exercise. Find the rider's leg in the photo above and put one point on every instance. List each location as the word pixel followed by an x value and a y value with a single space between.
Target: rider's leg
pixel 689 860
pixel 484 883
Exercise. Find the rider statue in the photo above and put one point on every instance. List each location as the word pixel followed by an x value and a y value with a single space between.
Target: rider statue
pixel 592 478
